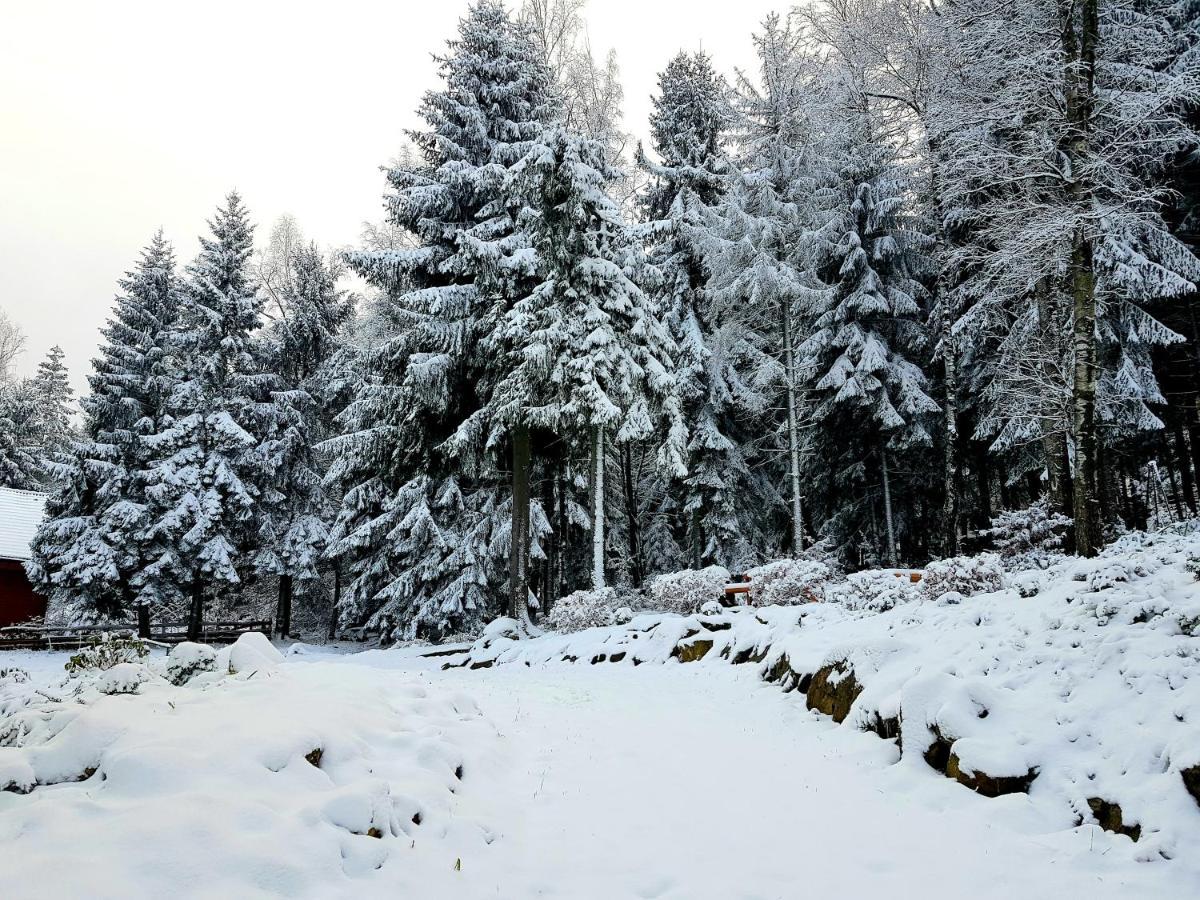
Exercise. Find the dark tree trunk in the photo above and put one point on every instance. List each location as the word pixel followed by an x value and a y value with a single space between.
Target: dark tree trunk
pixel 1002 486
pixel 1172 476
pixel 1079 42
pixel 337 599
pixel 1185 468
pixel 196 612
pixel 143 620
pixel 1033 484
pixel 1105 489
pixel 518 560
pixel 983 515
pixel 283 616
pixel 1193 433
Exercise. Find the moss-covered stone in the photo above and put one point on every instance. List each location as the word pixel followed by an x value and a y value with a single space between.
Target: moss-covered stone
pixel 833 690
pixel 691 650
pixel 780 668
pixel 937 754
pixel 887 727
pixel 989 785
pixel 749 655
pixel 1111 817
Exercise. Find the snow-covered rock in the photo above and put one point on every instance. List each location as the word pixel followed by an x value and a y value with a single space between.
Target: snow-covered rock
pixel 249 653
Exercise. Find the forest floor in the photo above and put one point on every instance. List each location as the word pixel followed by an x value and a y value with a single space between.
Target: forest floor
pixel 581 781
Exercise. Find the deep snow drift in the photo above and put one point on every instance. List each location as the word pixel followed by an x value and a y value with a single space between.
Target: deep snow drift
pixel 540 774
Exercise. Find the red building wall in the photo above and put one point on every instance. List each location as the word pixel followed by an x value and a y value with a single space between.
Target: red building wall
pixel 18 602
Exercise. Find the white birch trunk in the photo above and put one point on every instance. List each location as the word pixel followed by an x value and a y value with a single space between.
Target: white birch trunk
pixel 598 508
pixel 789 362
pixel 887 510
pixel 950 479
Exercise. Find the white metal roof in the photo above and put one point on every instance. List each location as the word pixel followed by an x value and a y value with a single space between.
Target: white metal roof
pixel 20 514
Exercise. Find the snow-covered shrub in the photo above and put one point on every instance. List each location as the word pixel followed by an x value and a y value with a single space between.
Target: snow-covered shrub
pixel 711 607
pixel 123 678
pixel 1100 575
pixel 1028 583
pixel 1193 566
pixel 585 609
pixel 106 650
pixel 1028 538
pixel 825 551
pixel 623 616
pixel 966 575
pixel 787 582
pixel 873 590
pixel 13 675
pixel 187 660
pixel 685 592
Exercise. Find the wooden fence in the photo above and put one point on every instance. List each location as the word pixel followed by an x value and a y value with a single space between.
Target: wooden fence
pixel 41 637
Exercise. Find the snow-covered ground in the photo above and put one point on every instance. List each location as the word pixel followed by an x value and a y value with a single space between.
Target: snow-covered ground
pixel 605 781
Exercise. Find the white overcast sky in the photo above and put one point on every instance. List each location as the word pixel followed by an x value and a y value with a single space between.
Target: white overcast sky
pixel 118 116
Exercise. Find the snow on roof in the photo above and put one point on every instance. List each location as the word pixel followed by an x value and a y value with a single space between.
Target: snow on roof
pixel 20 514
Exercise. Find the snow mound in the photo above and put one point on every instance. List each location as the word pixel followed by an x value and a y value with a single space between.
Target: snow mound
pixel 249 653
pixel 152 790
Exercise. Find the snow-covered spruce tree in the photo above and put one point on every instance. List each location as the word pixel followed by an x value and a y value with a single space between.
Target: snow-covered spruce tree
pixel 587 355
pixel 89 552
pixel 862 355
pixel 758 250
pixel 293 532
pixel 20 462
pixel 51 393
pixel 587 90
pixel 209 473
pixel 1063 116
pixel 720 501
pixel 899 54
pixel 422 531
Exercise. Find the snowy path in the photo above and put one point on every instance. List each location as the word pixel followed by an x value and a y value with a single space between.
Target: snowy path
pixel 701 782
